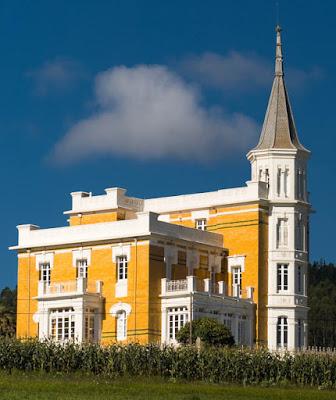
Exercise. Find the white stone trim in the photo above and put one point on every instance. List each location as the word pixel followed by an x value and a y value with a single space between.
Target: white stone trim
pixel 81 254
pixel 44 258
pixel 171 254
pixel 120 307
pixel 193 258
pixel 121 250
pixel 200 214
pixel 236 261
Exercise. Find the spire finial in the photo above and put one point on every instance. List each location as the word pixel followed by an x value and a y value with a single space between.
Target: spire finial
pixel 278 53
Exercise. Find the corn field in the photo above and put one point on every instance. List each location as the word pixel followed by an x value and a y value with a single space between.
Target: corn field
pixel 221 365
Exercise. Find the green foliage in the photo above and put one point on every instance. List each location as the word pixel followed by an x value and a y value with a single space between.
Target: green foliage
pixel 7 312
pixel 322 303
pixel 210 364
pixel 210 331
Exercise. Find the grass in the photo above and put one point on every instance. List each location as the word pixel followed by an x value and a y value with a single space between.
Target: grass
pixel 32 386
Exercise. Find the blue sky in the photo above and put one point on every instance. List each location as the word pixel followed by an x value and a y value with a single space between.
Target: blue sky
pixel 72 78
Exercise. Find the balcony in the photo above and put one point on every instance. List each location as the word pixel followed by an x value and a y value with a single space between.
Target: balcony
pixel 77 287
pixel 171 288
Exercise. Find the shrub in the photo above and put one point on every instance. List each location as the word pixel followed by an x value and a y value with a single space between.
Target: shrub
pixel 210 331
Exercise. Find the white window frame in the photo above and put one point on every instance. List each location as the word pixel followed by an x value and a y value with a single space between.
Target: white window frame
pixel 201 224
pixel 121 325
pixel 122 268
pixel 282 278
pixel 282 332
pixel 177 317
pixel 62 324
pixel 45 272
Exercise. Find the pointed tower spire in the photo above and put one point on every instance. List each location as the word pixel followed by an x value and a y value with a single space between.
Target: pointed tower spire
pixel 279 131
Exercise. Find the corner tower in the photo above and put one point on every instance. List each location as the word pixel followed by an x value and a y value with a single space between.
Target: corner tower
pixel 280 160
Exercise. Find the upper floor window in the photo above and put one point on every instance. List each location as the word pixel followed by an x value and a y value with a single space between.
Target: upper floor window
pixel 282 277
pixel 282 333
pixel 82 268
pixel 121 325
pixel 122 267
pixel 279 182
pixel 282 232
pixel 44 272
pixel 237 279
pixel 201 224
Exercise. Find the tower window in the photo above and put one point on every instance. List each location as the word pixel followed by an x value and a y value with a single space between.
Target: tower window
pixel 282 277
pixel 282 232
pixel 282 333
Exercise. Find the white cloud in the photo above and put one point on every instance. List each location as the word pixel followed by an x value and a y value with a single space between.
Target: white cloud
pixel 56 76
pixel 240 71
pixel 149 112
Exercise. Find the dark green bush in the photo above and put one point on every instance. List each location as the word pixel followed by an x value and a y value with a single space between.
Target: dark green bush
pixel 210 331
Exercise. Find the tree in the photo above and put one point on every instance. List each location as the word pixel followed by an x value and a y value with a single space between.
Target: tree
pixel 7 312
pixel 210 331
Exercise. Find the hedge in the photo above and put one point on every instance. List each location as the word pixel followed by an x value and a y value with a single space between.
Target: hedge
pixel 221 365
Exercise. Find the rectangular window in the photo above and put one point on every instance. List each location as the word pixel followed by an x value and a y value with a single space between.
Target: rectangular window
pixel 177 318
pixel 282 232
pixel 82 268
pixel 236 280
pixel 282 333
pixel 282 277
pixel 122 267
pixel 62 324
pixel 121 325
pixel 299 279
pixel 279 182
pixel 44 273
pixel 201 224
pixel 299 333
pixel 89 324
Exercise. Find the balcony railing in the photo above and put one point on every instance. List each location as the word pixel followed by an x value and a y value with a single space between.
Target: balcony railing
pixel 193 284
pixel 78 286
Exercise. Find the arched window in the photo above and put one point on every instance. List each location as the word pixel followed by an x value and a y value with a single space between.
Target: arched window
pixel 121 320
pixel 282 332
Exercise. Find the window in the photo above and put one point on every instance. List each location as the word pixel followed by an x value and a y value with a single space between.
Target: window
pixel 279 182
pixel 122 267
pixel 286 182
pixel 44 272
pixel 267 178
pixel 299 333
pixel 89 324
pixel 82 268
pixel 177 318
pixel 241 329
pixel 282 232
pixel 282 333
pixel 121 325
pixel 201 224
pixel 282 277
pixel 237 279
pixel 299 279
pixel 62 324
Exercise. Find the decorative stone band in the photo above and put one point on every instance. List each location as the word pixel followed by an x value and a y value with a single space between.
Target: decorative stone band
pixel 120 307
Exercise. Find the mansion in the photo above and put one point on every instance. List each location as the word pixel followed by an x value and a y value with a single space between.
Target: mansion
pixel 127 269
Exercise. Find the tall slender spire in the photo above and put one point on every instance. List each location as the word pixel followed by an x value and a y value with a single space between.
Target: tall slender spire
pixel 279 131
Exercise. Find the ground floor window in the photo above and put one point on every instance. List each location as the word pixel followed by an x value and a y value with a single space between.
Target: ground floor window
pixel 89 324
pixel 299 333
pixel 282 332
pixel 121 325
pixel 62 324
pixel 177 318
pixel 241 329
